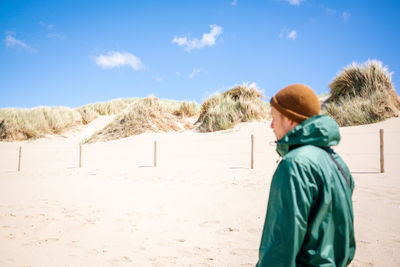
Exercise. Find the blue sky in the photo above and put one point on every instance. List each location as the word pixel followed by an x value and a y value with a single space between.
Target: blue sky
pixel 71 53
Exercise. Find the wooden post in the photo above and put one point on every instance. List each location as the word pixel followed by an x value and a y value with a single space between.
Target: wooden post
pixel 382 151
pixel 80 155
pixel 252 151
pixel 19 158
pixel 155 153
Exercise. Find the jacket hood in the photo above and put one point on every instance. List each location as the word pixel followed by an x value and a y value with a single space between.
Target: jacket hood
pixel 320 130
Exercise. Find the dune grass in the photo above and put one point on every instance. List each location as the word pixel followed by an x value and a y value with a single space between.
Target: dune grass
pixel 362 94
pixel 112 107
pixel 187 109
pixel 140 115
pixel 239 104
pixel 90 112
pixel 22 124
pixel 148 114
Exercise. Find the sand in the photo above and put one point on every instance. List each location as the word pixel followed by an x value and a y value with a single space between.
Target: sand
pixel 201 206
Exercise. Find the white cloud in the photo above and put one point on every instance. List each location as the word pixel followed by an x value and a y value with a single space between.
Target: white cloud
pixel 53 35
pixel 159 79
pixel 295 2
pixel 234 3
pixel 208 39
pixel 285 33
pixel 180 40
pixel 11 41
pixel 116 59
pixel 57 36
pixel 194 72
pixel 346 16
pixel 47 26
pixel 292 35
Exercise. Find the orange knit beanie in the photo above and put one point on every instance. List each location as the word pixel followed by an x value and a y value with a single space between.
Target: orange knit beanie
pixel 298 102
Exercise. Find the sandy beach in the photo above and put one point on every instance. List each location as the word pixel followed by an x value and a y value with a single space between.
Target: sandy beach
pixel 202 205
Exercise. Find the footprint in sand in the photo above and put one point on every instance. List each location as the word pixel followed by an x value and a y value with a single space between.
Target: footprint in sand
pixel 7 262
pixel 10 236
pixel 198 251
pixel 41 241
pixel 139 249
pixel 91 221
pixel 208 262
pixel 250 264
pixel 97 251
pixel 226 231
pixel 358 263
pixel 244 252
pixel 126 259
pixel 164 243
pixel 253 231
pixel 163 261
pixel 73 243
pixel 209 223
pixel 46 240
pixel 123 259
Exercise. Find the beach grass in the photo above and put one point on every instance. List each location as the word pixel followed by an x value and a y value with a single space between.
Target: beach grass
pixel 145 115
pixel 240 104
pixel 22 124
pixel 140 115
pixel 90 112
pixel 362 94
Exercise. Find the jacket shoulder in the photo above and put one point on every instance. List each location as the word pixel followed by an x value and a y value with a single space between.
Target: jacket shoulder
pixel 306 154
pixel 317 161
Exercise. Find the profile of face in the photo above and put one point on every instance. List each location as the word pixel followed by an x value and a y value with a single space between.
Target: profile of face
pixel 280 124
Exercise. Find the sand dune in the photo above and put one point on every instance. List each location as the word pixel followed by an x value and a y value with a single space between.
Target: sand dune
pixel 201 206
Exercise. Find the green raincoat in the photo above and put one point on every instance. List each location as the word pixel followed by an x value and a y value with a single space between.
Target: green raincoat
pixel 309 218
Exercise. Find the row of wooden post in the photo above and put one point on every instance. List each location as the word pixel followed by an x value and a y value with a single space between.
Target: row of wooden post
pixel 381 149
pixel 382 161
pixel 80 156
pixel 155 155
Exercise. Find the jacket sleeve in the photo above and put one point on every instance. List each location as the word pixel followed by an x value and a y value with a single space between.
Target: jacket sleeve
pixel 289 204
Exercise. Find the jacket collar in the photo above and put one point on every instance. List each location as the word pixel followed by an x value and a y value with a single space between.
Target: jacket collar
pixel 320 130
